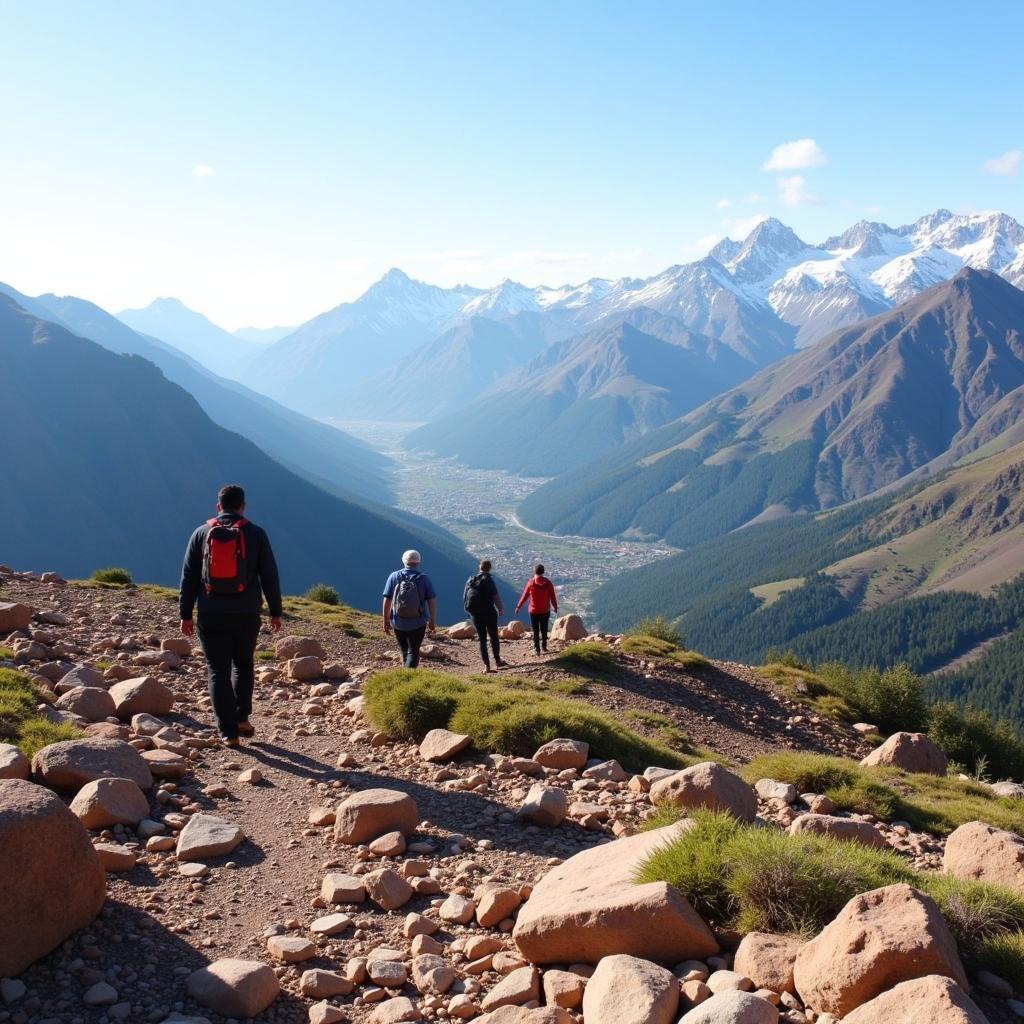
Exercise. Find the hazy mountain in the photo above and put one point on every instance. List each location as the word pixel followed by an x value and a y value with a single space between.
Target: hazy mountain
pixel 190 332
pixel 320 453
pixel 587 393
pixel 263 335
pixel 139 462
pixel 908 392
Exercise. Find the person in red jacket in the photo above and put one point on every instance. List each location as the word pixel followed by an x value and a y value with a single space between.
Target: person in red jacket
pixel 540 592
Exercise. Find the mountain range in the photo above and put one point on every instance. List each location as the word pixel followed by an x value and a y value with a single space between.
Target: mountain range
pixel 114 464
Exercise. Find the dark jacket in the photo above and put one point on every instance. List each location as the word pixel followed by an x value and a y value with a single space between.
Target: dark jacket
pixel 262 575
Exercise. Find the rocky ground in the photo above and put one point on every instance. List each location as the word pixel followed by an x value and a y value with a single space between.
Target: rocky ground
pixel 165 917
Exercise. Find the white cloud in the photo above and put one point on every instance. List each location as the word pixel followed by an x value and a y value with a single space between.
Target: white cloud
pixel 740 227
pixel 754 198
pixel 1004 165
pixel 202 171
pixel 793 191
pixel 723 204
pixel 793 156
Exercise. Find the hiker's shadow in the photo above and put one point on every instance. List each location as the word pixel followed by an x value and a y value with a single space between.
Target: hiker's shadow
pixel 291 761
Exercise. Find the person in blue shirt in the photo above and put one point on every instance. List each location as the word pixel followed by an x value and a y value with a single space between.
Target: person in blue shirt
pixel 410 607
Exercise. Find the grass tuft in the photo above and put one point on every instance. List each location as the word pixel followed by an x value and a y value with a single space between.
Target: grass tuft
pixel 351 622
pixel 6 654
pixel 112 577
pixel 591 657
pixel 510 717
pixel 658 627
pixel 322 593
pixel 20 723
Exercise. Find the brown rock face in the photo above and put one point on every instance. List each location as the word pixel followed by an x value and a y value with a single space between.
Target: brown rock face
pixel 206 835
pixel 911 751
pixel 767 960
pixel 545 806
pixel 234 988
pixel 932 999
pixel 365 816
pixel 14 616
pixel 568 627
pixel 144 695
pixel 289 647
pixel 53 881
pixel 590 907
pixel 13 763
pixel 710 786
pixel 563 753
pixel 848 829
pixel 442 745
pixel 980 852
pixel 879 939
pixel 627 990
pixel 110 802
pixel 71 764
pixel 91 702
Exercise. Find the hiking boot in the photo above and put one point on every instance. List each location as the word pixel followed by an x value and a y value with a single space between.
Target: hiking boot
pixel 489 670
pixel 246 729
pixel 231 742
pixel 501 664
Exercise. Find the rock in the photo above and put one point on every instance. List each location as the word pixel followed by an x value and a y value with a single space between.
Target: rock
pixel 110 802
pixel 179 645
pixel 979 852
pixel 304 669
pixel 387 888
pixel 165 764
pixel 933 998
pixel 234 988
pixel 514 630
pixel 331 924
pixel 562 754
pixel 394 1011
pixel 865 728
pixel 456 910
pixel 911 751
pixel 768 960
pixel 770 789
pixel 147 725
pixel 207 836
pixel 462 631
pixel 290 949
pixel 441 745
pixel 289 647
pixel 342 888
pixel 14 616
pixel 100 994
pixel 707 785
pixel 319 984
pixel 432 974
pixel 114 857
pixel 563 988
pixel 846 829
pixel 11 990
pixel 879 939
pixel 54 882
pixel 732 1008
pixel 325 1013
pixel 590 907
pixel 545 806
pixel 517 987
pixel 569 628
pixel 728 981
pixel 606 771
pixel 92 703
pixel 626 990
pixel 391 844
pixel 69 765
pixel 13 763
pixel 495 903
pixel 1008 790
pixel 371 813
pixel 81 675
pixel 144 695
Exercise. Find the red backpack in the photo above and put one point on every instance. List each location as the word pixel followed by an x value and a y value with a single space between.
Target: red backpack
pixel 225 568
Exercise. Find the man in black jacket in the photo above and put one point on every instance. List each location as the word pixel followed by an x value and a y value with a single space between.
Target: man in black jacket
pixel 228 562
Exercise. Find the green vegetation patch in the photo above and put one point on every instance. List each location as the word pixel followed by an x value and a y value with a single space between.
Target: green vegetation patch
pixel 591 657
pixel 112 577
pixel 157 591
pixel 507 719
pixel 20 723
pixel 645 645
pixel 6 654
pixel 658 627
pixel 322 593
pixel 762 879
pixel 342 617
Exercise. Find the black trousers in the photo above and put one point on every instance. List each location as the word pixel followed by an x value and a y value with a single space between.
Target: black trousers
pixel 540 624
pixel 229 643
pixel 410 641
pixel 487 628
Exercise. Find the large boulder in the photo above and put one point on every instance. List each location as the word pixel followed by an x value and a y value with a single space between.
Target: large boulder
pixel 626 990
pixel 69 765
pixel 366 815
pixel 732 1008
pixel 707 785
pixel 590 907
pixel 206 835
pixel 234 988
pixel 911 751
pixel 81 675
pixel 442 745
pixel 53 880
pixel 92 703
pixel 14 616
pixel 289 647
pixel 767 960
pixel 879 939
pixel 985 854
pixel 563 753
pixel 144 695
pixel 302 670
pixel 930 1000
pixel 568 628
pixel 106 802
pixel 847 829
pixel 13 763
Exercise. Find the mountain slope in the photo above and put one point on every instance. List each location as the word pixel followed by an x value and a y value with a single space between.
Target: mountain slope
pixel 323 455
pixel 911 391
pixel 138 463
pixel 586 394
pixel 190 332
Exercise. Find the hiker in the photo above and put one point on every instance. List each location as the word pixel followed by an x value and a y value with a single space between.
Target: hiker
pixel 483 602
pixel 540 592
pixel 228 563
pixel 410 607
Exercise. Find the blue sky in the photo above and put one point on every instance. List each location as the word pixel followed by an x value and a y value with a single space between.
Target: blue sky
pixel 264 162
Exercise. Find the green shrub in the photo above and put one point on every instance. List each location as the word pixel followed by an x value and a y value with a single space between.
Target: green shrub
pixel 20 723
pixel 322 593
pixel 690 660
pixel 658 627
pixel 894 699
pixel 788 659
pixel 265 656
pixel 112 577
pixel 6 654
pixel 1002 955
pixel 591 657
pixel 972 737
pixel 647 646
pixel 504 718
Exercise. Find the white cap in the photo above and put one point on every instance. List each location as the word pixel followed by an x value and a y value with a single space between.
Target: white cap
pixel 411 557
